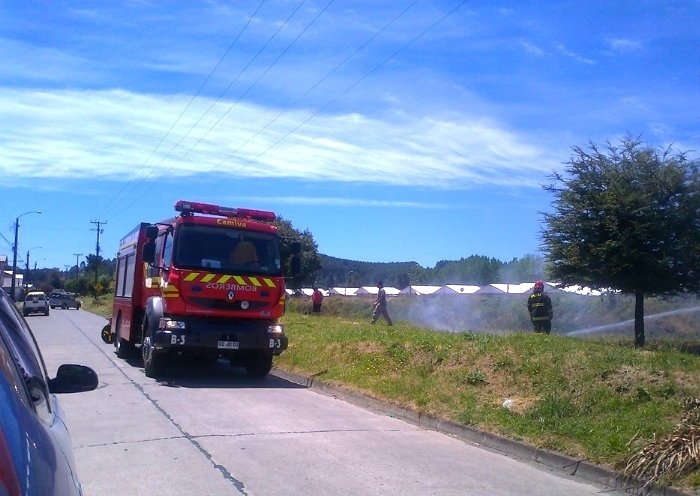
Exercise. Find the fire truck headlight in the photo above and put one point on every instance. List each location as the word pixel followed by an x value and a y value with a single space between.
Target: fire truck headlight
pixel 277 329
pixel 172 325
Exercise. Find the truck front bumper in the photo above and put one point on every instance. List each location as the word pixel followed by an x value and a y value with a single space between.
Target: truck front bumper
pixel 224 338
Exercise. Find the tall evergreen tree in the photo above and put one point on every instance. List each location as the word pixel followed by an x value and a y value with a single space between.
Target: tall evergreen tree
pixel 626 217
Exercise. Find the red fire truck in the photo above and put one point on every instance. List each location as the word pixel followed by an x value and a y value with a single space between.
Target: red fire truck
pixel 208 283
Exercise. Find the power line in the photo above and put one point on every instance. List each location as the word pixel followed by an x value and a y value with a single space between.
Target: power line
pixel 269 67
pixel 131 182
pixel 316 84
pixel 321 109
pixel 221 95
pixel 201 87
pixel 351 87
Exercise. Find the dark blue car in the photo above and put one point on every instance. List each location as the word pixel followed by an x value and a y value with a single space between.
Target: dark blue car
pixel 36 456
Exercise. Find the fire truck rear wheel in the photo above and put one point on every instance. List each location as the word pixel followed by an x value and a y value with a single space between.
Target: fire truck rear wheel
pixel 153 362
pixel 259 365
pixel 124 348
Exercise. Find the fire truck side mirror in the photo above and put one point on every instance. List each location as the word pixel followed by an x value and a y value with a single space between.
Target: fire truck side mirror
pixel 295 247
pixel 152 232
pixel 149 252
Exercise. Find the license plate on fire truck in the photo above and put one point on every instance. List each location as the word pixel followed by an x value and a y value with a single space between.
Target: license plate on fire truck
pixel 227 345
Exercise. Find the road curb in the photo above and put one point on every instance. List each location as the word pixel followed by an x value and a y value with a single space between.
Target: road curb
pixel 556 462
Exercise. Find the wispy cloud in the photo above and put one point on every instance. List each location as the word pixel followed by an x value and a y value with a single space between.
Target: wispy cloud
pixel 107 134
pixel 561 48
pixel 531 48
pixel 340 202
pixel 625 45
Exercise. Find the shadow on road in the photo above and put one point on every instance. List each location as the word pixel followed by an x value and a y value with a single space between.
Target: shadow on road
pixel 192 373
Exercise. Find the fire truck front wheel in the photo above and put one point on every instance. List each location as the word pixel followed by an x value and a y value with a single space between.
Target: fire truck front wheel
pixel 259 364
pixel 153 361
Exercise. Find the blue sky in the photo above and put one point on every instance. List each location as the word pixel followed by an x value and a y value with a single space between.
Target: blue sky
pixel 392 131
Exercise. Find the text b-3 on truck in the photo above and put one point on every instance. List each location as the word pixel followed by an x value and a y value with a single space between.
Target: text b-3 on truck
pixel 208 283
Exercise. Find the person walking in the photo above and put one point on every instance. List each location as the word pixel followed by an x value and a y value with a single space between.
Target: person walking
pixel 539 305
pixel 380 305
pixel 316 300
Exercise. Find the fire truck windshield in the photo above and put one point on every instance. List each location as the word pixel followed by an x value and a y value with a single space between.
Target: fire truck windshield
pixel 223 249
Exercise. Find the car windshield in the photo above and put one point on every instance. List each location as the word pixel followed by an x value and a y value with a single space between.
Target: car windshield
pixel 226 250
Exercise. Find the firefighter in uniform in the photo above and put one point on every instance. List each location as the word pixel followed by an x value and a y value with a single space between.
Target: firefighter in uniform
pixel 379 309
pixel 539 305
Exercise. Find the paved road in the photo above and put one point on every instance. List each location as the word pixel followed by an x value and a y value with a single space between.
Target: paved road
pixel 210 430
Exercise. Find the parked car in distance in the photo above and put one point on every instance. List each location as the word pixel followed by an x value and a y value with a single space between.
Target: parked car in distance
pixel 64 301
pixel 36 456
pixel 35 302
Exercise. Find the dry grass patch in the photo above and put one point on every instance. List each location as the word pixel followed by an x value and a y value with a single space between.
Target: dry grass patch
pixel 671 456
pixel 629 379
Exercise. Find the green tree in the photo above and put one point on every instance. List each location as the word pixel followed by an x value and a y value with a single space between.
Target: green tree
pixel 475 269
pixel 80 286
pixel 628 218
pixel 310 260
pixel 55 279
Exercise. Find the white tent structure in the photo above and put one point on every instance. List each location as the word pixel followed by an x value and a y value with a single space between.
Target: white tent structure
pixel 457 289
pixel 582 290
pixel 344 291
pixel 373 290
pixel 420 290
pixel 491 289
pixel 515 288
pixel 453 289
pixel 520 288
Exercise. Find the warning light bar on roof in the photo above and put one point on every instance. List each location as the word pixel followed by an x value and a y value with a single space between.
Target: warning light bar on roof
pixel 188 208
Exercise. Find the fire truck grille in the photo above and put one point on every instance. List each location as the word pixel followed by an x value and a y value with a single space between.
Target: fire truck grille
pixel 216 304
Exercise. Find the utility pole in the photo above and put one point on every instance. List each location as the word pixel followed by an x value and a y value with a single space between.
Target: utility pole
pixel 26 281
pixel 77 267
pixel 14 254
pixel 97 248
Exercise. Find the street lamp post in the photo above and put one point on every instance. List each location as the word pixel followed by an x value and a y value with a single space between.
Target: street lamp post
pixel 14 253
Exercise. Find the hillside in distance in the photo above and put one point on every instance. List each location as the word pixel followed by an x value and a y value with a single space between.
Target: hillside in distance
pixel 476 269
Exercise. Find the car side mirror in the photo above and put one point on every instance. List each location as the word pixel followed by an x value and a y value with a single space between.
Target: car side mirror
pixel 72 378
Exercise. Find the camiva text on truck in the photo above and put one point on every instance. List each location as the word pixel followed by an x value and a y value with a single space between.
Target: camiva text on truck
pixel 208 283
